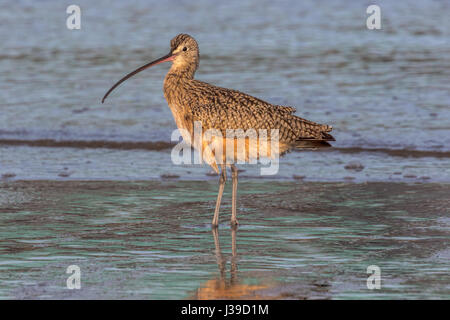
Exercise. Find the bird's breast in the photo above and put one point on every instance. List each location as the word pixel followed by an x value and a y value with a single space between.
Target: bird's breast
pixel 183 120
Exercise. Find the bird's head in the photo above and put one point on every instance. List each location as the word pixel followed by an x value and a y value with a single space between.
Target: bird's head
pixel 185 51
pixel 184 54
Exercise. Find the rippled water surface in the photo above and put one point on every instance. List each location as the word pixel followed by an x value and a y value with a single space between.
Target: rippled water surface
pixel 93 184
pixel 153 240
pixel 385 89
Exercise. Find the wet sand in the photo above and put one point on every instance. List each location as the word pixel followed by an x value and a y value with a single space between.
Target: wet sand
pixel 163 145
pixel 152 240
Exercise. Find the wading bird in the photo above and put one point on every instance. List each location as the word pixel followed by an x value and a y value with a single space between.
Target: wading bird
pixel 192 101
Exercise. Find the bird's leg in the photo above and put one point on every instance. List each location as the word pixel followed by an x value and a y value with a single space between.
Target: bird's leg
pixel 222 180
pixel 234 176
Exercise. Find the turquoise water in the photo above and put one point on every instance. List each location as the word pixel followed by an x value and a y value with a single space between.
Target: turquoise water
pixel 153 240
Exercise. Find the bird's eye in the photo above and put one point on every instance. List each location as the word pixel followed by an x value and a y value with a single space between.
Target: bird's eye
pixel 185 49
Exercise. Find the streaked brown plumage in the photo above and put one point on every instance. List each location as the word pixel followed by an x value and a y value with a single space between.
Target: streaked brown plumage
pixel 218 108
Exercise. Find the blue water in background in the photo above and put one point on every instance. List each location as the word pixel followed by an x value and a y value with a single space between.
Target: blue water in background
pixel 385 88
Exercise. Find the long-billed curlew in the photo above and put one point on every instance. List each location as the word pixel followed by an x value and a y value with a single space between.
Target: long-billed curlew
pixel 192 101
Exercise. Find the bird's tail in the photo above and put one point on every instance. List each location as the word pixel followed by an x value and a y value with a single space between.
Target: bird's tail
pixel 316 137
pixel 320 142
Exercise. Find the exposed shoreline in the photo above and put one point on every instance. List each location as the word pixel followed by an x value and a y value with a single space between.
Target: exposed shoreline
pixel 162 145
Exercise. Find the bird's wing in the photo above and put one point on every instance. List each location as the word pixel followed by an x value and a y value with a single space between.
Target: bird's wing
pixel 231 109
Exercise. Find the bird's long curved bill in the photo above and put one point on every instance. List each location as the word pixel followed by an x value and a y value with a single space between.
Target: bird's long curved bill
pixel 168 57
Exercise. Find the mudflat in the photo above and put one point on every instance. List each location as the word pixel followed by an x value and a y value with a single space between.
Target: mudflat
pixel 153 240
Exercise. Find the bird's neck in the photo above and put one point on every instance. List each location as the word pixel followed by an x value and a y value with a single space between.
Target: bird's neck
pixel 183 70
pixel 178 76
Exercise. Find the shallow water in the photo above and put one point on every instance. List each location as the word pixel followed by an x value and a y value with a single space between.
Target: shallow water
pixel 385 89
pixel 153 240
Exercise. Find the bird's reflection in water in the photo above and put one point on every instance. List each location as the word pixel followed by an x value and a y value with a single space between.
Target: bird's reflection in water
pixel 227 287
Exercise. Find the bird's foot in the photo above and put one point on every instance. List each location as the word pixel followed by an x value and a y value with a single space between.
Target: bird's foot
pixel 214 225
